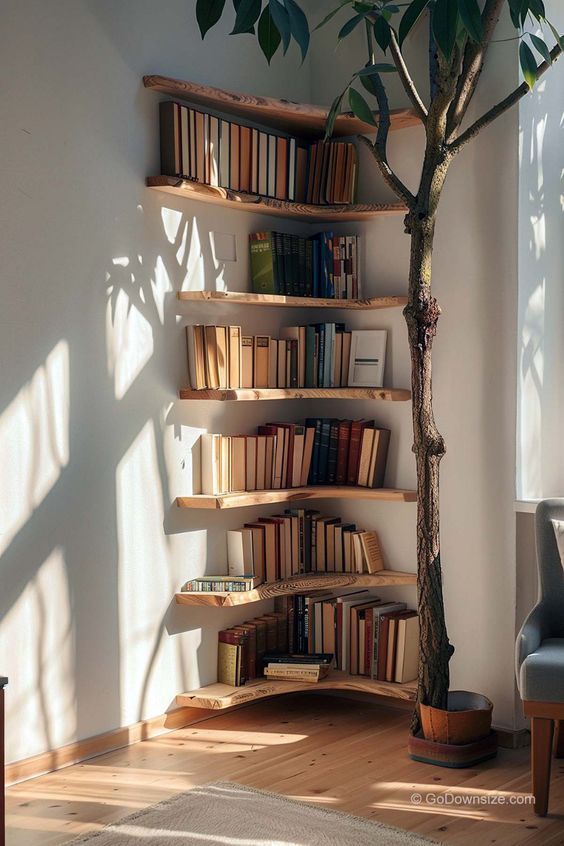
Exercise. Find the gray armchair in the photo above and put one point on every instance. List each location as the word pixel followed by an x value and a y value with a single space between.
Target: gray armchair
pixel 539 654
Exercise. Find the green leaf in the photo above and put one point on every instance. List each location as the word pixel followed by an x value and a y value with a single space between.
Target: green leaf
pixel 367 82
pixel 282 22
pixel 246 17
pixel 332 14
pixel 445 25
pixel 541 48
pixel 351 24
pixel 299 26
pixel 379 67
pixel 515 7
pixel 382 33
pixel 268 36
pixel 528 64
pixel 536 8
pixel 557 37
pixel 410 18
pixel 208 12
pixel 332 115
pixel 472 19
pixel 360 107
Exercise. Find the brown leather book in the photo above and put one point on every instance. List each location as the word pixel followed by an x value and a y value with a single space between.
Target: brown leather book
pixel 378 459
pixel 343 442
pixel 357 428
pixel 366 444
pixel 251 633
pixel 245 159
pixel 234 173
pixel 259 561
pixel 211 360
pixel 272 534
pixel 169 114
pixel 282 168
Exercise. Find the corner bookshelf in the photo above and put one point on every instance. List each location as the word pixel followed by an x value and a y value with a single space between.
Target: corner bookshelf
pixel 308 122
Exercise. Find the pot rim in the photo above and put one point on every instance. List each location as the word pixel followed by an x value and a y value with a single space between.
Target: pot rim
pixel 486 706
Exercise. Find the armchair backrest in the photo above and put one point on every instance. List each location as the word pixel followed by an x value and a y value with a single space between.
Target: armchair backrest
pixel 551 572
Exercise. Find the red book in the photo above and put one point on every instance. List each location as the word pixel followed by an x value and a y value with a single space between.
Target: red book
pixel 357 428
pixel 251 633
pixel 343 441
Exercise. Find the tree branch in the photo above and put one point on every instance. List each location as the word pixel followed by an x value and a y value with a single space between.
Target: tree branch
pixel 406 79
pixel 503 106
pixel 472 64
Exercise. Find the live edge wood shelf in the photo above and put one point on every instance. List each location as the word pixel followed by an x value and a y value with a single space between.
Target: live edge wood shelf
pixel 219 696
pixel 251 394
pixel 296 585
pixel 282 301
pixel 300 119
pixel 243 499
pixel 241 201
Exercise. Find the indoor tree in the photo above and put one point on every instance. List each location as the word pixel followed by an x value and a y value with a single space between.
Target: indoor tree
pixel 459 34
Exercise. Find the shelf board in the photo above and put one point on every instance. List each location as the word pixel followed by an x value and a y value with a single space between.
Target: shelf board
pixel 296 585
pixel 252 394
pixel 300 119
pixel 243 298
pixel 219 696
pixel 265 205
pixel 242 499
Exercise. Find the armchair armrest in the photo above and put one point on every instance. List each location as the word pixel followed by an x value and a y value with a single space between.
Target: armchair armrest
pixel 533 631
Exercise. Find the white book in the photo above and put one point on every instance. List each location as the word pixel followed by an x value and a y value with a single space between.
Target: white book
pixel 214 151
pixel 271 188
pixel 224 153
pixel 240 552
pixel 211 464
pixel 367 358
pixel 185 140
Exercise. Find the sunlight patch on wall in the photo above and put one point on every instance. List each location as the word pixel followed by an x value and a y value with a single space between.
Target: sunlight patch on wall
pixel 129 342
pixel 160 285
pixel 171 219
pixel 37 654
pixel 34 442
pixel 182 455
pixel 194 279
pixel 145 588
pixel 530 394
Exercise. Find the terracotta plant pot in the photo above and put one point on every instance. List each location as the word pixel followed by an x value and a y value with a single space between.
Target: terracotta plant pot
pixel 468 718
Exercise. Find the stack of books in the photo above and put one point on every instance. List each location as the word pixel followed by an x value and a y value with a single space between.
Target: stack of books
pixel 324 265
pixel 302 668
pixel 300 541
pixel 323 451
pixel 242 649
pixel 223 153
pixel 220 584
pixel 318 355
pixel 368 636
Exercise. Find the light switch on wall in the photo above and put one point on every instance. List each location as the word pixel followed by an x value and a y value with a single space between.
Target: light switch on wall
pixel 224 246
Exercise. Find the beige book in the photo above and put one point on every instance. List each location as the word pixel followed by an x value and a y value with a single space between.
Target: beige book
pixel 295 545
pixel 270 551
pixel 377 471
pixel 269 461
pixel 407 649
pixel 225 463
pixel 222 356
pixel 337 359
pixel 196 356
pixel 308 452
pixel 212 367
pixel 365 456
pixel 281 365
pixel 287 572
pixel 238 462
pixel 330 547
pixel 210 461
pixel 258 549
pixel 361 644
pixel 339 549
pixel 372 552
pixel 261 360
pixel 297 458
pixel 358 557
pixel 228 656
pixel 348 557
pixel 251 471
pixel 247 379
pixel 261 462
pixel 273 364
pixel 345 358
pixel 234 356
pixel 240 552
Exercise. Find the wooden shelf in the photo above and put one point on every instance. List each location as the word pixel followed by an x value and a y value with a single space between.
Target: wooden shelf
pixel 296 585
pixel 252 394
pixel 300 119
pixel 265 205
pixel 242 499
pixel 219 696
pixel 241 298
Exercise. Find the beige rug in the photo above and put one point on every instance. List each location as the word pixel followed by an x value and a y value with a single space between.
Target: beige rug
pixel 233 815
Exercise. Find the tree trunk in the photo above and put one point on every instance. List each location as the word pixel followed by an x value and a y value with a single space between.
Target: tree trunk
pixel 421 314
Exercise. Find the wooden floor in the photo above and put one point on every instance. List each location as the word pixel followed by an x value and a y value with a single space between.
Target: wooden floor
pixel 337 753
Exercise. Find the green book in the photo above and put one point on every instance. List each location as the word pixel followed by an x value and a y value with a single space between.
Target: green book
pixel 263 269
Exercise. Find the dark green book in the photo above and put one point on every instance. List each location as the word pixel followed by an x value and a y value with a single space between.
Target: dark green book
pixel 262 263
pixel 308 246
pixel 287 253
pixel 295 266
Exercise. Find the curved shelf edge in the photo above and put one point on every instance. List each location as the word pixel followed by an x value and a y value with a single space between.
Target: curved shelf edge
pixel 253 394
pixel 283 301
pixel 219 696
pixel 306 583
pixel 243 499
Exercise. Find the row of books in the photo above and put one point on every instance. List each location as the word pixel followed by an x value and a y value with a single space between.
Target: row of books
pixel 319 355
pixel 300 541
pixel 242 649
pixel 324 265
pixel 323 451
pixel 366 635
pixel 225 153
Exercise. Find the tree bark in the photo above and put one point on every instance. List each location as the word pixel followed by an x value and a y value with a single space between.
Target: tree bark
pixel 421 314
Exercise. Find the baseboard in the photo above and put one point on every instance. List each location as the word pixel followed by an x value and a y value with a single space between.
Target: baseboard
pixel 513 739
pixel 82 750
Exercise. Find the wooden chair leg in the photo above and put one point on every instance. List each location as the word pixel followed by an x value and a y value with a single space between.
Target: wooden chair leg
pixel 542 731
pixel 559 740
